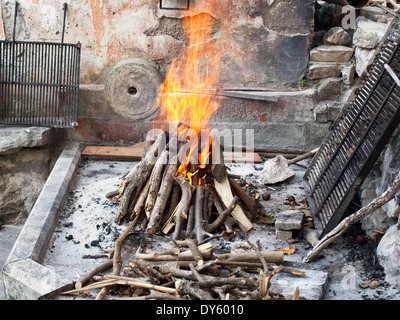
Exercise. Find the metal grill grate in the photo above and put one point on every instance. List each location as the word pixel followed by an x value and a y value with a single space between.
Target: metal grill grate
pixel 357 139
pixel 39 82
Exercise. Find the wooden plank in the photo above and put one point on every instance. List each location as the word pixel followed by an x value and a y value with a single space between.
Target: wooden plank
pixel 250 157
pixel 135 153
pixel 225 193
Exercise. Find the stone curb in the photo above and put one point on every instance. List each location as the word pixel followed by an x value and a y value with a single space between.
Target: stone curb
pixel 23 275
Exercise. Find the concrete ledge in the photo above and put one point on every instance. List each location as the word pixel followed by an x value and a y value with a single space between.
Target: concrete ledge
pixel 29 280
pixel 24 259
pixel 13 138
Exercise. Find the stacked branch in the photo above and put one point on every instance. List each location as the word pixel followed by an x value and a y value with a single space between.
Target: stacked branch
pixel 189 271
pixel 166 202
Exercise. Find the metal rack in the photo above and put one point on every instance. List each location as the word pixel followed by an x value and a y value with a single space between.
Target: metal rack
pixel 357 139
pixel 39 81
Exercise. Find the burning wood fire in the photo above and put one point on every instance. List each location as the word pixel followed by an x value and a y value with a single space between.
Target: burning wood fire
pixel 182 178
pixel 181 185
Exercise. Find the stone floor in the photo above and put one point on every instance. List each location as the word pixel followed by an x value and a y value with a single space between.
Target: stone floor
pixel 8 235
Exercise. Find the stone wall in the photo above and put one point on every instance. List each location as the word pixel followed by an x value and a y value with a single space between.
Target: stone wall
pixel 26 156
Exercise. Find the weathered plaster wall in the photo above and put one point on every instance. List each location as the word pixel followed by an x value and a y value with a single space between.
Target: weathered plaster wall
pixel 264 42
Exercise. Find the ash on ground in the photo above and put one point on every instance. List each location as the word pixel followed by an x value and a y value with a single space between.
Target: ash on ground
pixel 86 231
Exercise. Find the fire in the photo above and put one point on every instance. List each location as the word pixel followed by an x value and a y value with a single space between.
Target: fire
pixel 187 91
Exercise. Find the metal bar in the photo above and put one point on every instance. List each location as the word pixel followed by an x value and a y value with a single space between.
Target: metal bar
pixel 392 74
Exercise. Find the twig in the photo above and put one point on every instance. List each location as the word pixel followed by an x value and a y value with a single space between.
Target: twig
pixel 86 278
pixel 161 201
pixel 151 296
pixel 181 210
pixel 341 228
pixel 137 178
pixel 117 260
pixel 211 227
pixel 258 252
pixel 155 181
pixel 192 245
pixel 198 214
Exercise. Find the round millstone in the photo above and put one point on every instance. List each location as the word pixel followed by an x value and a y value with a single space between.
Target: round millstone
pixel 133 88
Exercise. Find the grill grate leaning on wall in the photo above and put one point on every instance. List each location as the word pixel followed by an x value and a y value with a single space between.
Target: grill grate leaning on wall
pixel 356 139
pixel 39 83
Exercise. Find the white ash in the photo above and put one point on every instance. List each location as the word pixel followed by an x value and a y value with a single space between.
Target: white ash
pixel 86 227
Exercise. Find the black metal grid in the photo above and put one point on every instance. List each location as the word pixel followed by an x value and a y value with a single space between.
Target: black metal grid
pixel 39 82
pixel 186 7
pixel 356 140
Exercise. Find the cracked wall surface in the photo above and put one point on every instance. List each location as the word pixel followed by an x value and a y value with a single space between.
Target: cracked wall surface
pixel 264 42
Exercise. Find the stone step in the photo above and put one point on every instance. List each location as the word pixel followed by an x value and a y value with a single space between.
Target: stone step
pixel 331 53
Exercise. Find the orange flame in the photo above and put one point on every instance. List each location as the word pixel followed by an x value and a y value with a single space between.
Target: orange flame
pixel 187 91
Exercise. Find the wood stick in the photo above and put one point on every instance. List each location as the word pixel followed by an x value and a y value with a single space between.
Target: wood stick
pixel 155 182
pixel 137 178
pixel 117 259
pixel 151 296
pixel 223 189
pixel 139 205
pixel 303 156
pixel 181 211
pixel 341 228
pixel 247 199
pixel 185 287
pixel 164 193
pixel 192 245
pixel 205 249
pixel 111 280
pixel 218 169
pixel 258 252
pixel 228 223
pixel 201 234
pixel 269 256
pixel 211 281
pixel 190 221
pixel 175 196
pixel 87 277
pixel 211 227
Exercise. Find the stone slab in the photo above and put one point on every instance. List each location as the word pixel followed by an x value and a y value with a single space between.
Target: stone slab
pixel 31 244
pixel 337 36
pixel 13 139
pixel 318 71
pixel 311 287
pixel 331 53
pixel 289 220
pixel 283 234
pixel 368 34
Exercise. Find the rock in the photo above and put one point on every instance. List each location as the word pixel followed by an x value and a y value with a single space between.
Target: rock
pixel 323 71
pixel 22 177
pixel 311 287
pixel 364 57
pixel 276 170
pixel 13 139
pixel 374 14
pixel 388 253
pixel 348 73
pixel 329 88
pixel 368 34
pixel 283 234
pixel 377 220
pixel 337 36
pixel 289 220
pixel 331 53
